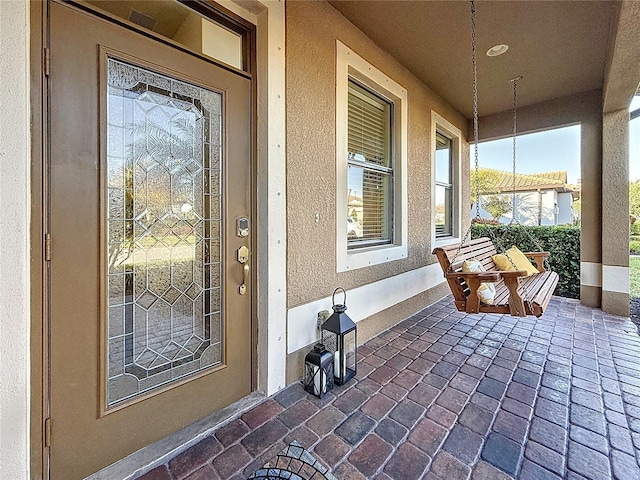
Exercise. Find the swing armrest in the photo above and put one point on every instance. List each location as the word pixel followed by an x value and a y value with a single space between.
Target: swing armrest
pixel 538 257
pixel 473 281
pixel 489 277
pixel 508 274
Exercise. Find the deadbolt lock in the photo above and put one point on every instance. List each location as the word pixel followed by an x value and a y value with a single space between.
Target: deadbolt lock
pixel 243 254
pixel 242 225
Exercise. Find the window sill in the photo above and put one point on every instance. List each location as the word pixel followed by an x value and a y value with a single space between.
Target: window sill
pixel 443 241
pixel 369 256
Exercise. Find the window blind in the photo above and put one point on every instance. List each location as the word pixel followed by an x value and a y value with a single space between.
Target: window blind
pixel 368 128
pixel 370 176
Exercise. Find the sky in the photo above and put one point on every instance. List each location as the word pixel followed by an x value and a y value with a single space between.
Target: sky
pixel 548 151
pixel 551 150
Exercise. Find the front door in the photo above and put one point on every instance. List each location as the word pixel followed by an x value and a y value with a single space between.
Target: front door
pixel 149 183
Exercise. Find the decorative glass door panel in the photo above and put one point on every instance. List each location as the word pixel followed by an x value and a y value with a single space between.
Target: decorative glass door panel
pixel 164 204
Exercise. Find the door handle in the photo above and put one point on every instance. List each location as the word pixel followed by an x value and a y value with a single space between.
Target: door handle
pixel 243 288
pixel 243 258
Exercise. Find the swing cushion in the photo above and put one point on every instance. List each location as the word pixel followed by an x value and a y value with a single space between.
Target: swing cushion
pixel 486 291
pixel 520 261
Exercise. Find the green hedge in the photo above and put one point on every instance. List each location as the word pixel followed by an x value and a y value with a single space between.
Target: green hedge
pixel 634 247
pixel 563 244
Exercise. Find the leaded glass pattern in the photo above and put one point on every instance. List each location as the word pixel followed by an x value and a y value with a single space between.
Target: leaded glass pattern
pixel 164 318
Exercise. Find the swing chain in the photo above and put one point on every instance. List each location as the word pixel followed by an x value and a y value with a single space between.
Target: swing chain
pixel 514 209
pixel 475 134
pixel 474 69
pixel 475 108
pixel 496 241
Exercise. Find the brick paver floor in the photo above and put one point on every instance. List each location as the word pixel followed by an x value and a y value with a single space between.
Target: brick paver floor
pixel 444 395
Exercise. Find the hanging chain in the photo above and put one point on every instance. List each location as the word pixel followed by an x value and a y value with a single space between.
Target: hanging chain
pixel 475 135
pixel 514 209
pixel 494 238
pixel 514 216
pixel 475 107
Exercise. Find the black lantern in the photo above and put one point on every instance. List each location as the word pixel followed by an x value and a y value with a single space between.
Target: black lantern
pixel 339 336
pixel 318 371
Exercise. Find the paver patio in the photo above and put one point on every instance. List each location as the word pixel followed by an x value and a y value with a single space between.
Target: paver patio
pixel 453 396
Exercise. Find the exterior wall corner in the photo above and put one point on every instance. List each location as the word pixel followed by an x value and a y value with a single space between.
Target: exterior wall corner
pixel 15 204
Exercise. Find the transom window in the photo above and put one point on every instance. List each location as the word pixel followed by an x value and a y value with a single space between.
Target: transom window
pixel 370 168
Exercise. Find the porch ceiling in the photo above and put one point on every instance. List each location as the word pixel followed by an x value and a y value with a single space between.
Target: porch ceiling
pixel 559 47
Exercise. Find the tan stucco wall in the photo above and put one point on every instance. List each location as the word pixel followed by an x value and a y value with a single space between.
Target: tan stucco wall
pixel 312 30
pixel 615 211
pixel 591 187
pixel 616 303
pixel 585 109
pixel 373 325
pixel 14 238
pixel 590 296
pixel 622 71
pixel 615 181
pixel 622 74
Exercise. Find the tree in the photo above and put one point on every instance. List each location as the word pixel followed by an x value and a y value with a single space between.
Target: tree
pixel 634 199
pixel 497 206
pixel 577 211
pixel 487 182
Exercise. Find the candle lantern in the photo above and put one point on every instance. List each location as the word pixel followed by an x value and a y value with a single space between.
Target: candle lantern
pixel 339 337
pixel 318 371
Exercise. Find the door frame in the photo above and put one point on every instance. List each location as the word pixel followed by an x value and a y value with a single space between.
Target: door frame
pixel 39 225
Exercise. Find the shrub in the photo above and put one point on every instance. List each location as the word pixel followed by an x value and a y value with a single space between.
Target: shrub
pixel 634 277
pixel 634 238
pixel 634 247
pixel 635 228
pixel 562 243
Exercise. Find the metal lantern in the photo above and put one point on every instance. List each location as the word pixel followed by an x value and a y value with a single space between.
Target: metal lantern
pixel 318 371
pixel 339 337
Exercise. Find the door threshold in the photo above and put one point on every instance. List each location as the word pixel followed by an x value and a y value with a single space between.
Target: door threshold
pixel 158 453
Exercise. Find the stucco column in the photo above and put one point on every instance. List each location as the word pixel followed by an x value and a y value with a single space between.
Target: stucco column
pixel 591 211
pixel 14 239
pixel 615 212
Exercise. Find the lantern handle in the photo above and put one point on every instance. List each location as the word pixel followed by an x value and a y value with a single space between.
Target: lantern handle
pixel 344 302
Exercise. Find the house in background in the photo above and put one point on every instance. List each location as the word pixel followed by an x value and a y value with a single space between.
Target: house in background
pixel 541 198
pixel 176 179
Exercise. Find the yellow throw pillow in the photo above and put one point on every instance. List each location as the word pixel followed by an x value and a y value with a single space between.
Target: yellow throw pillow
pixel 486 291
pixel 518 258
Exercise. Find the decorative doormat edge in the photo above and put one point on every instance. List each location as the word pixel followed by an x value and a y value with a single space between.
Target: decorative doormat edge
pixel 293 463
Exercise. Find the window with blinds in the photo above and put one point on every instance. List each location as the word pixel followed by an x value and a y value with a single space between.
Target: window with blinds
pixel 444 187
pixel 370 168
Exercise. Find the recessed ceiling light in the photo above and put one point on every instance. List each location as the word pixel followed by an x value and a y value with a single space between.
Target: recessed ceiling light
pixel 497 50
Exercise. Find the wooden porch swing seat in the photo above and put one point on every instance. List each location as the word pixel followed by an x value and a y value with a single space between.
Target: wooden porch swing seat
pixel 516 293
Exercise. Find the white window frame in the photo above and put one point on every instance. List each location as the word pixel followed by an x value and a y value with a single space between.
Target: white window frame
pixel 446 128
pixel 350 65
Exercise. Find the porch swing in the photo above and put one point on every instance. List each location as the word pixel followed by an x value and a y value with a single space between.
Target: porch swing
pixel 476 282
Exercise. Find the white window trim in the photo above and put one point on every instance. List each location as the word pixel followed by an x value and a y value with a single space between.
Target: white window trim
pixel 350 65
pixel 440 124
